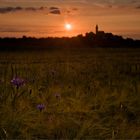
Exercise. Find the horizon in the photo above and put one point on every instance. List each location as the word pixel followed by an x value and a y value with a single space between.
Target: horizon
pixel 84 35
pixel 41 18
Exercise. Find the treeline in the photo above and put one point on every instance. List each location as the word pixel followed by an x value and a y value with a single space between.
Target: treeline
pixel 88 40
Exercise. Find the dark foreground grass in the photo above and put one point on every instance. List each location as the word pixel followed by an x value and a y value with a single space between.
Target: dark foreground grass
pixel 70 94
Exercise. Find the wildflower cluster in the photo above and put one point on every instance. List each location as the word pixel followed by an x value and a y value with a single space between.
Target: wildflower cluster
pixel 40 107
pixel 18 82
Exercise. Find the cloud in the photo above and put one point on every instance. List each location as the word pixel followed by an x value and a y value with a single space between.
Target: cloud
pixel 5 10
pixel 57 11
pixel 10 9
pixel 54 10
pixel 51 10
pixel 31 9
pixel 138 7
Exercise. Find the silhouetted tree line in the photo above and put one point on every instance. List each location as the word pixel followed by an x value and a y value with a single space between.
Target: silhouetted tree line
pixel 88 40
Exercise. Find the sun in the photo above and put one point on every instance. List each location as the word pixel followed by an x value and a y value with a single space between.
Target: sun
pixel 68 26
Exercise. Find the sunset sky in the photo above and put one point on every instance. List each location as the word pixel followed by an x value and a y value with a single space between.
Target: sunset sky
pixel 43 18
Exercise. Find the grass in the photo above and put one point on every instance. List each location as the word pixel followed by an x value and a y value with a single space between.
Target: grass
pixel 98 98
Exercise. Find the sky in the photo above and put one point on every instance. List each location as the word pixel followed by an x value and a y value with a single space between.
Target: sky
pixel 43 18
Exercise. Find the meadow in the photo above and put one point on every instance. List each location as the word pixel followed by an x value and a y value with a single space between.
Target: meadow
pixel 70 94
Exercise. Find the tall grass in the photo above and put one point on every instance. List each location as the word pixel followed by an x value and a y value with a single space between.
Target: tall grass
pixel 85 93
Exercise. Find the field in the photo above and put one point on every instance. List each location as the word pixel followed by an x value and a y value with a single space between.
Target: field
pixel 70 94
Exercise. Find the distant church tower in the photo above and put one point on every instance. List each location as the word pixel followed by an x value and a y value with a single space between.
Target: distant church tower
pixel 96 28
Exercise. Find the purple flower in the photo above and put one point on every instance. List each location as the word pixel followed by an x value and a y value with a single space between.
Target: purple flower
pixel 40 107
pixel 18 82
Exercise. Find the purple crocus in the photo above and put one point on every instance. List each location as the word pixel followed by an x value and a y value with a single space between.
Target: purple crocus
pixel 18 82
pixel 40 107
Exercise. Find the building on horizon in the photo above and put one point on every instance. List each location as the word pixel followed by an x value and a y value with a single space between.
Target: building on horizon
pixel 97 31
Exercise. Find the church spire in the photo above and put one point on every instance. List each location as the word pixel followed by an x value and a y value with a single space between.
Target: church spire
pixel 96 28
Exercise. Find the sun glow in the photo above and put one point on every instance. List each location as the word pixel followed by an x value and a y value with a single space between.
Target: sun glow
pixel 68 26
